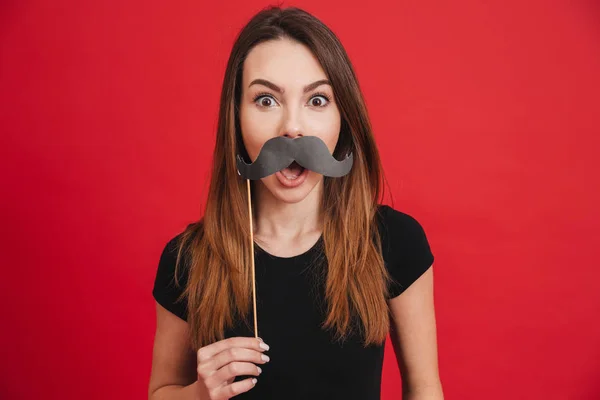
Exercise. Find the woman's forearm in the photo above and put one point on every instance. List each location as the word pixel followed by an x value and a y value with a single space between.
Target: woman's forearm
pixel 433 392
pixel 176 392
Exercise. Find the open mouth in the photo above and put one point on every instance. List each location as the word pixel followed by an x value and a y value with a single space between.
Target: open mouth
pixel 292 171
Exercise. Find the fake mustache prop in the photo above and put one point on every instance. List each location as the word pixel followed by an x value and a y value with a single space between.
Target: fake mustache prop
pixel 280 152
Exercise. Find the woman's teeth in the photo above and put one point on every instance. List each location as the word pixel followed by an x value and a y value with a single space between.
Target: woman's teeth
pixel 293 171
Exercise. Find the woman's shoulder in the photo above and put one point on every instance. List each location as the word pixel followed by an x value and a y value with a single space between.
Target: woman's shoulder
pixel 179 245
pixel 405 247
pixel 396 222
pixel 172 272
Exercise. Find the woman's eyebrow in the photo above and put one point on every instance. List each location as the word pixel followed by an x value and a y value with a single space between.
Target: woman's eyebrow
pixel 276 88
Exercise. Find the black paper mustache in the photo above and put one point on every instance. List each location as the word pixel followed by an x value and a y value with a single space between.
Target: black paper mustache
pixel 308 151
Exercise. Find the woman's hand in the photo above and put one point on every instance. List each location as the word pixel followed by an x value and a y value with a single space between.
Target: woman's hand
pixel 219 363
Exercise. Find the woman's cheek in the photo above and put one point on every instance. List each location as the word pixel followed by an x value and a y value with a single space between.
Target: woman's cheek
pixel 255 139
pixel 253 131
pixel 328 131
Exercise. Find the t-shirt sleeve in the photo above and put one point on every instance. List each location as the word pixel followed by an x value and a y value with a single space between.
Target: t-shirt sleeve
pixel 166 291
pixel 406 250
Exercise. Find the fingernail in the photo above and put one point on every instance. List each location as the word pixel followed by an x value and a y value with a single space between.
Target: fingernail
pixel 264 346
pixel 259 370
pixel 254 381
pixel 265 357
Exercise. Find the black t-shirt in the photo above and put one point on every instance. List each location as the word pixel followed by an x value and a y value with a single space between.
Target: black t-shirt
pixel 306 363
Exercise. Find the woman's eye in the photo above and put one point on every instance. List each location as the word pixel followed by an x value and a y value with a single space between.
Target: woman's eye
pixel 318 101
pixel 265 101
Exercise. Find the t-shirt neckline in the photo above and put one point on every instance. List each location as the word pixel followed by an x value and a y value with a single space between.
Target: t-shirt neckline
pixel 305 254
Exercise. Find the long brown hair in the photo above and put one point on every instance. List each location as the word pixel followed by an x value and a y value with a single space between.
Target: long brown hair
pixel 217 247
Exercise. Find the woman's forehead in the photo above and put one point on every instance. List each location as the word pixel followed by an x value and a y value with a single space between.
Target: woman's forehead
pixel 286 63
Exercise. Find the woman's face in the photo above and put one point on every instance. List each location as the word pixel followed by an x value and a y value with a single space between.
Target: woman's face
pixel 284 102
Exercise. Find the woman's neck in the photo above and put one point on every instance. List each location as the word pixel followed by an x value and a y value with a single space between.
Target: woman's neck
pixel 275 219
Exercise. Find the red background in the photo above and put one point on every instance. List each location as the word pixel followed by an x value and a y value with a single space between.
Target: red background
pixel 486 116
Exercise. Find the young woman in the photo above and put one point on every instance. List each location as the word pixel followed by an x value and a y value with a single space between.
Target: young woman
pixel 335 270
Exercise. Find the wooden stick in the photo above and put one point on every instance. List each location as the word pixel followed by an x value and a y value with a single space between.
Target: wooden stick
pixel 252 261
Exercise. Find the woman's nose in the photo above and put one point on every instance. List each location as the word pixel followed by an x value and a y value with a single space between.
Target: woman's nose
pixel 291 126
pixel 292 134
